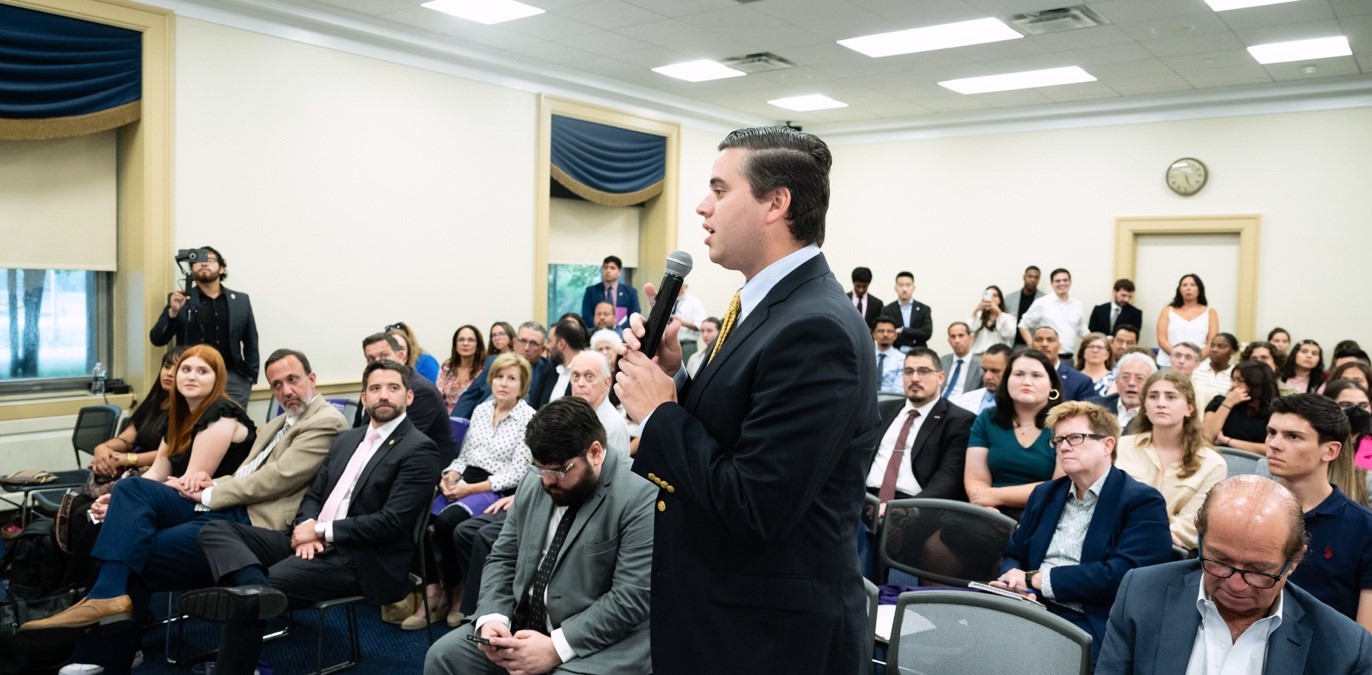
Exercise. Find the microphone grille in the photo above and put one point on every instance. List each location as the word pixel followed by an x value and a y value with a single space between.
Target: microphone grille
pixel 679 263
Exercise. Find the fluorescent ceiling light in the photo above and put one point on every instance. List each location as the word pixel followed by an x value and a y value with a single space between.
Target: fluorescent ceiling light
pixel 1300 50
pixel 699 71
pixel 1025 80
pixel 807 103
pixel 926 39
pixel 484 11
pixel 1225 5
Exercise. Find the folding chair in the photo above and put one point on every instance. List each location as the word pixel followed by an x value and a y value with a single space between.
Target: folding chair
pixel 941 541
pixel 95 424
pixel 1240 461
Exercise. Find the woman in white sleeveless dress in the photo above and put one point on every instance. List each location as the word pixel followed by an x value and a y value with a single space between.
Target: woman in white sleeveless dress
pixel 1188 319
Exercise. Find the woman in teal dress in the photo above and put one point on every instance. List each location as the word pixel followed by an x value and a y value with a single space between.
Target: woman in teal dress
pixel 1008 453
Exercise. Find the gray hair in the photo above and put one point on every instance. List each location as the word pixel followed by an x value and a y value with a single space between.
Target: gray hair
pixel 605 335
pixel 1136 357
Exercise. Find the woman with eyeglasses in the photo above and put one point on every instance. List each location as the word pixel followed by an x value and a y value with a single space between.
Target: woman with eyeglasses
pixel 502 338
pixel 1170 452
pixel 415 357
pixel 1096 361
pixel 493 460
pixel 462 366
pixel 1008 453
pixel 1304 367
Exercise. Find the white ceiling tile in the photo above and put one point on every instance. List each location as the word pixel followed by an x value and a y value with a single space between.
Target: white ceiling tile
pixel 1079 91
pixel 465 31
pixel 918 13
pixel 1149 84
pixel 610 14
pixel 1007 99
pixel 1346 65
pixel 1104 55
pixel 548 26
pixel 1226 77
pixel 1294 31
pixel 684 37
pixel 835 18
pixel 1100 36
pixel 1119 11
pixel 604 43
pixel 1139 68
pixel 1229 58
pixel 1194 44
pixel 957 103
pixel 551 52
pixel 682 7
pixel 1170 27
pixel 371 7
pixel 1277 15
pixel 603 66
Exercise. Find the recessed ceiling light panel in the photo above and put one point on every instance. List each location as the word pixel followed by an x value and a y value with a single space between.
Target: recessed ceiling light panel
pixel 960 34
pixel 484 11
pixel 1301 50
pixel 1025 80
pixel 698 71
pixel 1226 5
pixel 807 103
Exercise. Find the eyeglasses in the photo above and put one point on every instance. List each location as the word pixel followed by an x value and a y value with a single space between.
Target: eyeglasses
pixel 398 324
pixel 922 372
pixel 1261 580
pixel 1364 406
pixel 1073 439
pixel 529 343
pixel 555 474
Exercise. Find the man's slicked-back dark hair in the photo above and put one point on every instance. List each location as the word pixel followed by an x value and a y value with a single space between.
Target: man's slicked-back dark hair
pixel 1323 414
pixel 782 157
pixel 387 364
pixel 283 353
pixel 562 430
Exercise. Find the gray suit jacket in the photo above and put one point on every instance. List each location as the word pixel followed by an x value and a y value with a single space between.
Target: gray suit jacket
pixel 1012 299
pixel 1154 621
pixel 971 364
pixel 599 591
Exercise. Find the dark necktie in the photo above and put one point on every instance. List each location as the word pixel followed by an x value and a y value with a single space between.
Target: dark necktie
pixel 538 610
pixel 888 482
pixel 953 381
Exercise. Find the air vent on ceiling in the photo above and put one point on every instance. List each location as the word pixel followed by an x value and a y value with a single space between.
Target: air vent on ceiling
pixel 1057 20
pixel 760 62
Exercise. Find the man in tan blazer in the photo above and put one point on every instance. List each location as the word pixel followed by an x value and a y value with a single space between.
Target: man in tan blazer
pixel 266 489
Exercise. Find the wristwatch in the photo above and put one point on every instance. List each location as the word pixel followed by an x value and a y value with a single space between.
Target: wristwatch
pixel 1029 579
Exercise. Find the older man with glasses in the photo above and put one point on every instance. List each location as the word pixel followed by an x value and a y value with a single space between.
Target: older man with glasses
pixel 1081 533
pixel 1233 610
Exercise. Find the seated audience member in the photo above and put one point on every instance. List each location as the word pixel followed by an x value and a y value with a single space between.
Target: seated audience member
pixel 416 358
pixel 493 460
pixel 1075 385
pixel 1082 532
pixel 1353 399
pixel 1189 318
pixel 136 446
pixel 1239 418
pixel 961 367
pixel 591 380
pixel 1134 369
pixel 1008 453
pixel 1185 357
pixel 992 323
pixel 590 612
pixel 1211 376
pixel 1233 610
pixel 1267 354
pixel 604 318
pixel 1170 452
pixel 923 447
pixel 1353 372
pixel 567 339
pixel 1281 339
pixel 993 362
pixel 1125 338
pixel 1095 361
pixel 464 365
pixel 867 305
pixel 529 344
pixel 352 535
pixel 889 359
pixel 426 412
pixel 1304 367
pixel 1059 312
pixel 709 331
pixel 207 437
pixel 1349 354
pixel 913 319
pixel 607 344
pixel 1106 316
pixel 502 337
pixel 1305 434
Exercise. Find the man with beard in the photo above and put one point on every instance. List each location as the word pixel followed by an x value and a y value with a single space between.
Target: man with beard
pixel 567 582
pixel 923 446
pixel 352 525
pixel 567 340
pixel 211 314
pixel 426 411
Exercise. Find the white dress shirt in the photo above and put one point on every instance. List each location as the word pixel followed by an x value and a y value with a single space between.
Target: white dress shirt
pixel 975 400
pixel 692 311
pixel 384 432
pixel 905 480
pixel 1216 653
pixel 1064 316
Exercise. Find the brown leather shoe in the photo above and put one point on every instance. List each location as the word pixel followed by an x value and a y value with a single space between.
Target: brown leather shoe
pixel 80 617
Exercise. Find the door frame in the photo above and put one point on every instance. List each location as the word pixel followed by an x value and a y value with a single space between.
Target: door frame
pixel 1248 227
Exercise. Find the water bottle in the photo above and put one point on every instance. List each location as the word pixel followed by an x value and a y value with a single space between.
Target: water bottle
pixel 98 379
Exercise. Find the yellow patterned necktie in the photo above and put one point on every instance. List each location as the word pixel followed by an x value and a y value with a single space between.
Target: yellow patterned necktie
pixel 730 316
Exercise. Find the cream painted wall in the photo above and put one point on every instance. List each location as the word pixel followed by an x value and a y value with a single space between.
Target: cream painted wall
pixel 708 282
pixel 962 213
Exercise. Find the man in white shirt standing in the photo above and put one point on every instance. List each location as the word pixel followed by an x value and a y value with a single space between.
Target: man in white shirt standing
pixel 1059 312
pixel 1232 610
pixel 962 367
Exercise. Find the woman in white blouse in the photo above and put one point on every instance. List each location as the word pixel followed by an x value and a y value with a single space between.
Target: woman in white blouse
pixel 991 323
pixel 493 460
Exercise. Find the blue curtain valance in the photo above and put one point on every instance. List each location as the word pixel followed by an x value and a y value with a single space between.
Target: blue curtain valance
pixel 607 165
pixel 62 77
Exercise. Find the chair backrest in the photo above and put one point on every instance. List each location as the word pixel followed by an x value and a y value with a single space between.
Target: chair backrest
pixel 960 632
pixel 95 424
pixel 459 426
pixel 943 541
pixel 1240 461
pixel 869 645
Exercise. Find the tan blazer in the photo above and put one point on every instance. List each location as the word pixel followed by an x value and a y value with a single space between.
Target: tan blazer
pixel 273 492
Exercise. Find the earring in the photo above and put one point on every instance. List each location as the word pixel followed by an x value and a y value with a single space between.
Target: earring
pixel 1054 394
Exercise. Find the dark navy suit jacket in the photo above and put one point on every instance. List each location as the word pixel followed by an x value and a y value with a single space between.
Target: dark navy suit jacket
pixel 1154 622
pixel 1076 385
pixel 1128 530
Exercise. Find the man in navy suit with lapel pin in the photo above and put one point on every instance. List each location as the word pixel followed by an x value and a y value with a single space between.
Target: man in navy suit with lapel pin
pixel 760 458
pixel 353 533
pixel 1081 533
pixel 622 297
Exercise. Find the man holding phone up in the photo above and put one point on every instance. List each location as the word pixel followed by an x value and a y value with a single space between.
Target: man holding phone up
pixel 566 585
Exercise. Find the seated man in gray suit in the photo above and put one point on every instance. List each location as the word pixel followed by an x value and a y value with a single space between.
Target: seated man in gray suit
pixel 575 602
pixel 1233 610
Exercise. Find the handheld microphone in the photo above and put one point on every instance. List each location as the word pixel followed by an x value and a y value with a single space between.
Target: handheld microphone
pixel 678 266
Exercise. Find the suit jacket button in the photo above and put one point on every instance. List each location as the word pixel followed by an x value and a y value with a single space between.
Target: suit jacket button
pixel 661 505
pixel 671 489
pixel 652 476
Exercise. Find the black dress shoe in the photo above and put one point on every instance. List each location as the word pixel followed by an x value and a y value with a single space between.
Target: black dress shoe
pixel 234 603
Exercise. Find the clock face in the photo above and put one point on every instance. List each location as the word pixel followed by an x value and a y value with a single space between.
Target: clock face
pixel 1187 176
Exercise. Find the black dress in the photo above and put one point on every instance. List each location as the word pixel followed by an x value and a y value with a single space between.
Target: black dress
pixel 236 453
pixel 1241 423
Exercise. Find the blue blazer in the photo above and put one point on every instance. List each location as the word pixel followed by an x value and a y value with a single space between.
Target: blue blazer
pixel 1128 530
pixel 1154 622
pixel 1076 385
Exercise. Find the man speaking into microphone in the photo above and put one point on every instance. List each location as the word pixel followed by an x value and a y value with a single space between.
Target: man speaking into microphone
pixel 760 459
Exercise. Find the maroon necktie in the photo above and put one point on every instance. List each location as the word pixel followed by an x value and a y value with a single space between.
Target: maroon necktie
pixel 888 482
